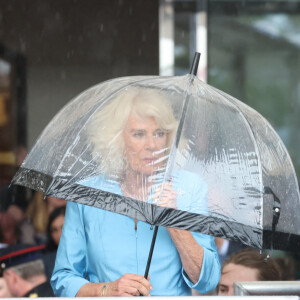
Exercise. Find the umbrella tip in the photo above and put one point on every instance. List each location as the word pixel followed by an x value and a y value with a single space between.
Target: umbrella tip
pixel 194 68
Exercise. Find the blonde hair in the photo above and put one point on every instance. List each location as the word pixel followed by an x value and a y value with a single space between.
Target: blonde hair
pixel 38 213
pixel 105 129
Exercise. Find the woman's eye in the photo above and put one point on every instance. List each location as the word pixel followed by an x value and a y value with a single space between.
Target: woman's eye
pixel 160 134
pixel 138 134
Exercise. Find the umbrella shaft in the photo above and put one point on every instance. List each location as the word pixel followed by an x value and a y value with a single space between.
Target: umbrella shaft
pixel 151 252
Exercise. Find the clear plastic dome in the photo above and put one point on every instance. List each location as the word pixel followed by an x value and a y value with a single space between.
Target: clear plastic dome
pixel 171 151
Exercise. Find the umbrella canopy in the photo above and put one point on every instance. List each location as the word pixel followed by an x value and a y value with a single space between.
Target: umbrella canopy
pixel 210 142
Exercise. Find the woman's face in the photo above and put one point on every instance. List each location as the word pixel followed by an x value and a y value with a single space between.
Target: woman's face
pixel 145 142
pixel 56 228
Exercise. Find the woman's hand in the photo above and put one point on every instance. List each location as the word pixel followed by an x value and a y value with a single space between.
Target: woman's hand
pixel 128 285
pixel 168 196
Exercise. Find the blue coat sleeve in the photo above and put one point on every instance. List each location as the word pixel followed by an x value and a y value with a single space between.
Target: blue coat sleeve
pixel 69 273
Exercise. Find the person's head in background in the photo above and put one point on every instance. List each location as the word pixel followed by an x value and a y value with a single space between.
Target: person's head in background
pixel 20 154
pixel 22 269
pixel 14 198
pixel 39 210
pixel 53 203
pixel 247 265
pixel 54 228
pixel 23 278
pixel 8 230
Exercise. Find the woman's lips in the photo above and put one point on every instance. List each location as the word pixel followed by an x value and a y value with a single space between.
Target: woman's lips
pixel 149 160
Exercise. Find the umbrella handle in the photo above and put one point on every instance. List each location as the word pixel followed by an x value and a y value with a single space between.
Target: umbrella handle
pixel 151 251
pixel 276 207
pixel 276 212
pixel 194 68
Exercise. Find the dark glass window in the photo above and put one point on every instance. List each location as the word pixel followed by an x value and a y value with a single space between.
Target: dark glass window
pixel 254 55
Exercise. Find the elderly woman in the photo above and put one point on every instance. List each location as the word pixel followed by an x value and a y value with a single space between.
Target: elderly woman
pixel 102 253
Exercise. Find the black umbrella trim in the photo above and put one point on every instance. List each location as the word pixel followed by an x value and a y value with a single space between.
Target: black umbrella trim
pixel 281 240
pixel 66 189
pixel 32 179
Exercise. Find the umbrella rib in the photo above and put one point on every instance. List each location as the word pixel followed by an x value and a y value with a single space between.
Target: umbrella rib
pixel 78 158
pixel 93 159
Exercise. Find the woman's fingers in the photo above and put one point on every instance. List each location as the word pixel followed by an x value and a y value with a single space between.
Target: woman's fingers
pixel 165 197
pixel 142 284
pixel 137 289
pixel 131 284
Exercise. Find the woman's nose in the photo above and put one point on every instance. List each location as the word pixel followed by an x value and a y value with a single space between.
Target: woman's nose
pixel 150 142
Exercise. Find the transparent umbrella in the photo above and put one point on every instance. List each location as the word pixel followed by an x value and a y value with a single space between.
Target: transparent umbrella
pixel 215 148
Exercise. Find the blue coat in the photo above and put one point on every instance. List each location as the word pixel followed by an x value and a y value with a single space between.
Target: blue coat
pixel 101 246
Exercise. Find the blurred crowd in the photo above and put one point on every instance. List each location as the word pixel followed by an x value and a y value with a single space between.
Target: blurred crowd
pixel 30 230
